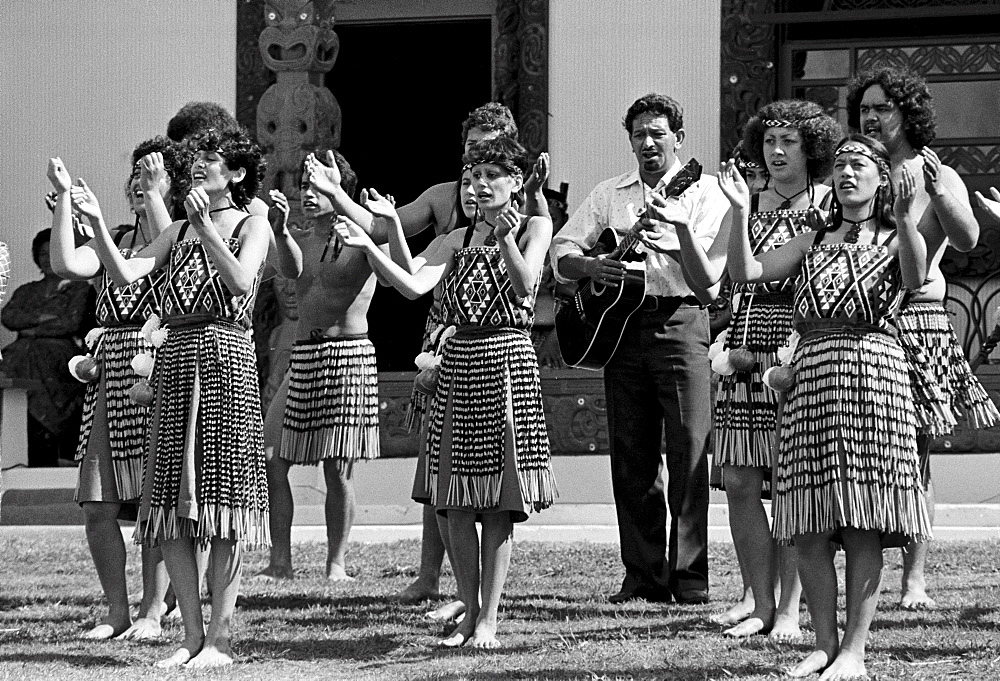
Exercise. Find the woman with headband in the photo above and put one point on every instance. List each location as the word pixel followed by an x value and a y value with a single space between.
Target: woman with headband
pixel 112 446
pixel 487 445
pixel 847 469
pixel 792 141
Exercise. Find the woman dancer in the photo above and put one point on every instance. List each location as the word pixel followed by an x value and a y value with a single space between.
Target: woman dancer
pixel 488 450
pixel 847 465
pixel 205 481
pixel 112 447
pixel 794 140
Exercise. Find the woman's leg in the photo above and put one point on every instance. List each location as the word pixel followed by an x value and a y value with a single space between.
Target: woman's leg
pixel 179 557
pixel 465 561
pixel 428 581
pixel 819 580
pixel 451 609
pixel 752 538
pixel 107 548
pixel 864 582
pixel 225 570
pixel 155 584
pixel 789 587
pixel 497 544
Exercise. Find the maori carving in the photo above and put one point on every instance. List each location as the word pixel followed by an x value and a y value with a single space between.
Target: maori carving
pixel 840 5
pixel 521 68
pixel 298 113
pixel 252 77
pixel 935 59
pixel 748 59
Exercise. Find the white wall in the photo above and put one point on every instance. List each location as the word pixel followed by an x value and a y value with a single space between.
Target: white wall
pixel 605 55
pixel 88 81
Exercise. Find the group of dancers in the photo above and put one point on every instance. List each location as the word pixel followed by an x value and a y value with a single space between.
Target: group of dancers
pixel 833 242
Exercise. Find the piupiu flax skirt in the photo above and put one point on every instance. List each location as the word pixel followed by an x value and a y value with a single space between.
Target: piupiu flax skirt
pixel 332 406
pixel 488 450
pixel 745 409
pixel 205 474
pixel 848 451
pixel 926 330
pixel 112 445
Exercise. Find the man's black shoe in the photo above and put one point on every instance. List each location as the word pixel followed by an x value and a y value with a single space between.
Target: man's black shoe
pixel 641 592
pixel 692 597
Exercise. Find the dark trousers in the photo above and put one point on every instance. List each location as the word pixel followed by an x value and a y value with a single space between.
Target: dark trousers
pixel 658 384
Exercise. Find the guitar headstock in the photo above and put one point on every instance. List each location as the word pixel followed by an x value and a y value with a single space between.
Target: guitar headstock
pixel 685 177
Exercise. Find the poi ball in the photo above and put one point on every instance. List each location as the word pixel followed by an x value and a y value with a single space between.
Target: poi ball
pixel 742 359
pixel 88 369
pixel 782 379
pixel 141 393
pixel 426 381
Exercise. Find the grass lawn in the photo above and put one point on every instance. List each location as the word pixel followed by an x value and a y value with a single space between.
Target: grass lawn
pixel 555 621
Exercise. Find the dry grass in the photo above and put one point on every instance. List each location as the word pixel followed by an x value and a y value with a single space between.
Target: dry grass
pixel 556 623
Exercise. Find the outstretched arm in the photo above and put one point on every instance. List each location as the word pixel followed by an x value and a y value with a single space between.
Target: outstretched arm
pixel 237 273
pixel 702 268
pixel 68 261
pixel 385 207
pixel 912 248
pixel 950 200
pixel 534 198
pixel 153 181
pixel 775 265
pixel 122 271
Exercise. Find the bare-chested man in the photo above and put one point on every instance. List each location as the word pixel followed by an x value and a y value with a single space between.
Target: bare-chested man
pixel 326 409
pixel 894 106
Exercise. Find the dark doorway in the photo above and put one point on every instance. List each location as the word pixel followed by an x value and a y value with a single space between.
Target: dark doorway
pixel 404 90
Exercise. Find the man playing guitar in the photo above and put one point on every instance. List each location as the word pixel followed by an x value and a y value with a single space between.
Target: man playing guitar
pixel 658 379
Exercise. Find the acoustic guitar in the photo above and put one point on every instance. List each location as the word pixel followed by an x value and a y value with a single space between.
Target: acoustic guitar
pixel 590 323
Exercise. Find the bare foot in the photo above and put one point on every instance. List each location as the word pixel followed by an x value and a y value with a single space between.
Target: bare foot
pixel 337 573
pixel 845 667
pixel 106 630
pixel 211 656
pixel 446 612
pixel 142 629
pixel 748 627
pixel 785 630
pixel 273 571
pixel 458 637
pixel 814 662
pixel 179 658
pixel 915 598
pixel 417 592
pixel 734 615
pixel 485 637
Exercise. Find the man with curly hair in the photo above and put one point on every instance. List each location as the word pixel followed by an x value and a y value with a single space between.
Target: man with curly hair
pixel 894 106
pixel 658 379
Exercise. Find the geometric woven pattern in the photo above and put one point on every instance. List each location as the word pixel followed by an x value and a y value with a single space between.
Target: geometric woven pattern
pixel 769 230
pixel 852 282
pixel 478 292
pixel 131 304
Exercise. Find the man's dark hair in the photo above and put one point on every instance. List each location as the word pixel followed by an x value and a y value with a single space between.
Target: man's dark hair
pixel 654 103
pixel 240 152
pixel 348 178
pixel 196 117
pixel 490 117
pixel 177 160
pixel 42 238
pixel 908 90
pixel 819 133
pixel 505 152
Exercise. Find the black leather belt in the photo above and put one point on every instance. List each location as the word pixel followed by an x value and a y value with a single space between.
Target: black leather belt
pixel 654 303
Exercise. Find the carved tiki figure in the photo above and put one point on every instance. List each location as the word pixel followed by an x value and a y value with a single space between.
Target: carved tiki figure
pixel 298 113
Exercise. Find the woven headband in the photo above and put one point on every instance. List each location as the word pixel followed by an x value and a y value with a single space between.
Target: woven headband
pixel 858 148
pixel 786 122
pixel 510 168
pixel 744 163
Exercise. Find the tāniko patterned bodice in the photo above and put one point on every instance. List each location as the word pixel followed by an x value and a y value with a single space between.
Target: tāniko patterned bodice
pixel 477 292
pixel 768 230
pixel 129 305
pixel 853 283
pixel 194 291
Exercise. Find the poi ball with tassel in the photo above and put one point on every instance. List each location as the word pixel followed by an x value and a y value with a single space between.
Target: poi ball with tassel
pixel 84 368
pixel 141 393
pixel 742 359
pixel 781 378
pixel 426 381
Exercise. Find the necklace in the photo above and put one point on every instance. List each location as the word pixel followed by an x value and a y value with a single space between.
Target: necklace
pixel 855 231
pixel 332 241
pixel 491 238
pixel 787 203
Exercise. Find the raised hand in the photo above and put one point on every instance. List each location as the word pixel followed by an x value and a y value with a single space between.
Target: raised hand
pixel 664 210
pixel 84 200
pixel 350 233
pixel 539 174
pixel 153 174
pixel 733 185
pixel 197 206
pixel 990 206
pixel 904 194
pixel 324 179
pixel 278 215
pixel 58 176
pixel 932 171
pixel 377 204
pixel 507 220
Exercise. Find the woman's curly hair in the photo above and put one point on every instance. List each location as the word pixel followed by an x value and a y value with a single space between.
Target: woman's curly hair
pixel 196 117
pixel 885 197
pixel 240 151
pixel 819 133
pixel 505 152
pixel 177 160
pixel 908 90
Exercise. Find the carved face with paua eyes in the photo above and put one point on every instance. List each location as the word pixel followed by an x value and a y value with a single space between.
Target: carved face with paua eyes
pixel 299 35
